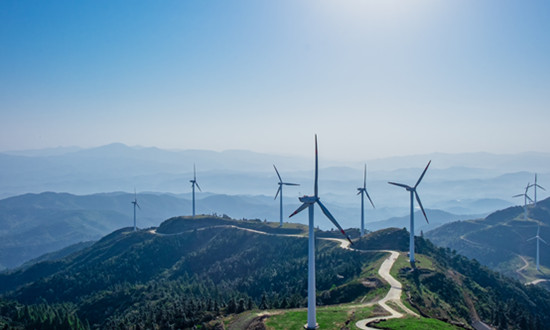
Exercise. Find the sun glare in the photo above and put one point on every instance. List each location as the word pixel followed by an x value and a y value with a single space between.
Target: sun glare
pixel 377 12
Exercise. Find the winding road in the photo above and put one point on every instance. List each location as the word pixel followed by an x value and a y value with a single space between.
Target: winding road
pixel 393 296
pixel 525 264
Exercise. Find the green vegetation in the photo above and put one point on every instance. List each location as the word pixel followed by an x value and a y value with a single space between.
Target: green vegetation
pixel 182 224
pixel 385 239
pixel 40 316
pixel 327 318
pixel 198 273
pixel 188 278
pixel 413 323
pixel 500 238
pixel 448 286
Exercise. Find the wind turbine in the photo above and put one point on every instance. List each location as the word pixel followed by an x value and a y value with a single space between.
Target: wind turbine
pixel 135 202
pixel 525 198
pixel 193 184
pixel 309 202
pixel 363 192
pixel 535 186
pixel 280 190
pixel 413 194
pixel 538 240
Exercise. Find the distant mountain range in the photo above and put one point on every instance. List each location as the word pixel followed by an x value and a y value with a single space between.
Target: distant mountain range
pixel 34 224
pixel 241 184
pixel 436 218
pixel 117 167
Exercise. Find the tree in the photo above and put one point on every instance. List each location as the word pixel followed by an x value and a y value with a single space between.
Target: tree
pixel 263 303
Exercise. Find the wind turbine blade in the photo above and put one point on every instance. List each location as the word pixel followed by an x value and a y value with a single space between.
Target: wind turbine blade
pixel 277 194
pixel 365 178
pixel 139 207
pixel 532 238
pixel 316 168
pixel 359 192
pixel 540 187
pixel 370 199
pixel 520 195
pixel 300 209
pixel 543 241
pixel 197 184
pixel 331 218
pixel 421 207
pixel 290 184
pixel 280 180
pixel 194 173
pixel 529 198
pixel 400 185
pixel 421 176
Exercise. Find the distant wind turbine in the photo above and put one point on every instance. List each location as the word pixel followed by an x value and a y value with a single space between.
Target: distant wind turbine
pixel 309 202
pixel 525 198
pixel 135 202
pixel 193 184
pixel 538 240
pixel 413 192
pixel 363 192
pixel 535 186
pixel 280 190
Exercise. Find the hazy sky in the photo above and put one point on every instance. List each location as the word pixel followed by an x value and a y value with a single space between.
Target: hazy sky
pixel 372 78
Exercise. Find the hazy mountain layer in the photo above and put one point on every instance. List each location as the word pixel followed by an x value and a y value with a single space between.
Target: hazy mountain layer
pixel 458 184
pixel 34 224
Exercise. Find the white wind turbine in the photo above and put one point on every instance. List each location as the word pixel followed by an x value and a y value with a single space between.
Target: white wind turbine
pixel 280 190
pixel 535 186
pixel 525 198
pixel 363 192
pixel 538 243
pixel 309 202
pixel 413 192
pixel 193 184
pixel 135 202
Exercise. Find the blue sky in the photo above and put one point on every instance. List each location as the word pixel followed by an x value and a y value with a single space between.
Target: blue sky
pixel 372 78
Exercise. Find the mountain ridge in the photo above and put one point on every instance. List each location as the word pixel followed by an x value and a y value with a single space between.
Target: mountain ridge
pixel 192 271
pixel 500 239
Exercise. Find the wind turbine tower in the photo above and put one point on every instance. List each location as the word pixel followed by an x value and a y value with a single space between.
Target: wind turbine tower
pixel 538 243
pixel 135 202
pixel 363 192
pixel 525 199
pixel 413 192
pixel 535 186
pixel 193 184
pixel 280 190
pixel 309 202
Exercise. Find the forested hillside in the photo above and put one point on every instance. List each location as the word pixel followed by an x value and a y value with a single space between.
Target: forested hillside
pixel 449 286
pixel 196 272
pixel 183 275
pixel 501 238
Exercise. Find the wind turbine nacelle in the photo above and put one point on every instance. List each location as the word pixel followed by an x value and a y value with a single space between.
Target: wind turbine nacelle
pixel 308 199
